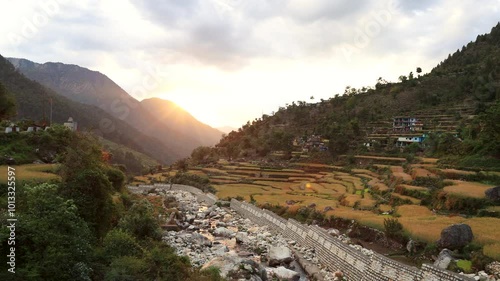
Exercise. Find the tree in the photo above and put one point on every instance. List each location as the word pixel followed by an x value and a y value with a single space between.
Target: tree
pixel 118 243
pixel 91 191
pixel 86 183
pixel 55 240
pixel 203 155
pixel 419 70
pixel 141 222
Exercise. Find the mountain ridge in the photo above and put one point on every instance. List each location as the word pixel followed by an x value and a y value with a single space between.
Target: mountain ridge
pixel 33 102
pixel 94 88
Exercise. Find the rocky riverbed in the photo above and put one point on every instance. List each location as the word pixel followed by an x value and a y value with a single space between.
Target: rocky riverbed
pixel 219 237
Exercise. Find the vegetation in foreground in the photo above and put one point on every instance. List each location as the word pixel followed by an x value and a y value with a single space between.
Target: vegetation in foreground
pixel 83 225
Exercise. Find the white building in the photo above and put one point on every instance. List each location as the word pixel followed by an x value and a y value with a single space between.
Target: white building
pixel 70 124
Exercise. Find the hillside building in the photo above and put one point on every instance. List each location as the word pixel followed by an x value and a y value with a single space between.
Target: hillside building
pixel 405 141
pixel 71 124
pixel 407 124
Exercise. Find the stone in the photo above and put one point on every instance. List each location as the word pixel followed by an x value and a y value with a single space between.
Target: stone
pixel 283 273
pixel 493 193
pixel 444 259
pixel 279 255
pixel 225 263
pixel 455 236
pixel 223 232
pixel 227 218
pixel 200 239
pixel 410 246
pixel 493 269
pixel 221 250
pixel 333 232
pixel 242 238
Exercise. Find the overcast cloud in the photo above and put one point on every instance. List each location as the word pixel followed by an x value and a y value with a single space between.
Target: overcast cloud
pixel 228 61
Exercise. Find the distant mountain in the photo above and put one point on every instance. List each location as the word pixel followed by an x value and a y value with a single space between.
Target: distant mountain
pixel 227 129
pixel 33 102
pixel 181 121
pixel 167 122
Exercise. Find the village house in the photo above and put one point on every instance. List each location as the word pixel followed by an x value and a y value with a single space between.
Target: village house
pixel 403 124
pixel 405 141
pixel 71 124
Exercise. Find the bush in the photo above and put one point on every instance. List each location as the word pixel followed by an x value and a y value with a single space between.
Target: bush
pixel 126 269
pixel 393 228
pixel 116 177
pixel 141 222
pixel 118 243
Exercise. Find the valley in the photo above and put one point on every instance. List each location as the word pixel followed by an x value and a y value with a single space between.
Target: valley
pixel 368 194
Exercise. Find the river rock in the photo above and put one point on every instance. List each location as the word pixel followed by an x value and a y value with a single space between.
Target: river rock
pixel 279 255
pixel 283 273
pixel 242 237
pixel 494 269
pixel 223 232
pixel 455 236
pixel 221 250
pixel 225 263
pixel 334 232
pixel 444 259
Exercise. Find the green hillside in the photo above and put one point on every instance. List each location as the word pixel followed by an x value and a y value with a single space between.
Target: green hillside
pixel 457 103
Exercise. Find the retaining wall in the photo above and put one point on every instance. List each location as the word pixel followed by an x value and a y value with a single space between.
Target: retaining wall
pixel 336 255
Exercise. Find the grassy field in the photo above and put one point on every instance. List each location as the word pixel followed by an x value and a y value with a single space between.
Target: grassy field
pixel 398 172
pixel 30 172
pixel 469 189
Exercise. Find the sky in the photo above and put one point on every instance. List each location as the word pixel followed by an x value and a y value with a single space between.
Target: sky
pixel 230 61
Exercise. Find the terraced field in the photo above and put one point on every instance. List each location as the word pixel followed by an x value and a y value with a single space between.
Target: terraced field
pixel 31 172
pixel 366 195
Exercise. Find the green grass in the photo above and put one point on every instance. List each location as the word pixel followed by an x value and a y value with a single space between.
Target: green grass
pixel 465 265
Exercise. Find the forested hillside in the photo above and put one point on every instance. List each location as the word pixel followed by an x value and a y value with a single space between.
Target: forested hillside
pixel 33 102
pixel 458 100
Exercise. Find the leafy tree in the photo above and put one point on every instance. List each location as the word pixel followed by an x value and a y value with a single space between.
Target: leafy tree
pixel 91 191
pixel 55 240
pixel 165 265
pixel 141 222
pixel 118 243
pixel 85 181
pixel 116 177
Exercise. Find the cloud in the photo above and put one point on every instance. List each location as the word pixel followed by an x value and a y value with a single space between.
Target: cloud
pixel 283 45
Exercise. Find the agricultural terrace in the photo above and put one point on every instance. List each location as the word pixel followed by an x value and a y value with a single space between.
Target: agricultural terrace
pixel 366 195
pixel 30 172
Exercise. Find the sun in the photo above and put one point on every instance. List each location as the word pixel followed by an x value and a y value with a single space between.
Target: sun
pixel 202 109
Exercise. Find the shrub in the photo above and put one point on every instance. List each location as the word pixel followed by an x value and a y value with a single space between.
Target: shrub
pixel 118 243
pixel 393 228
